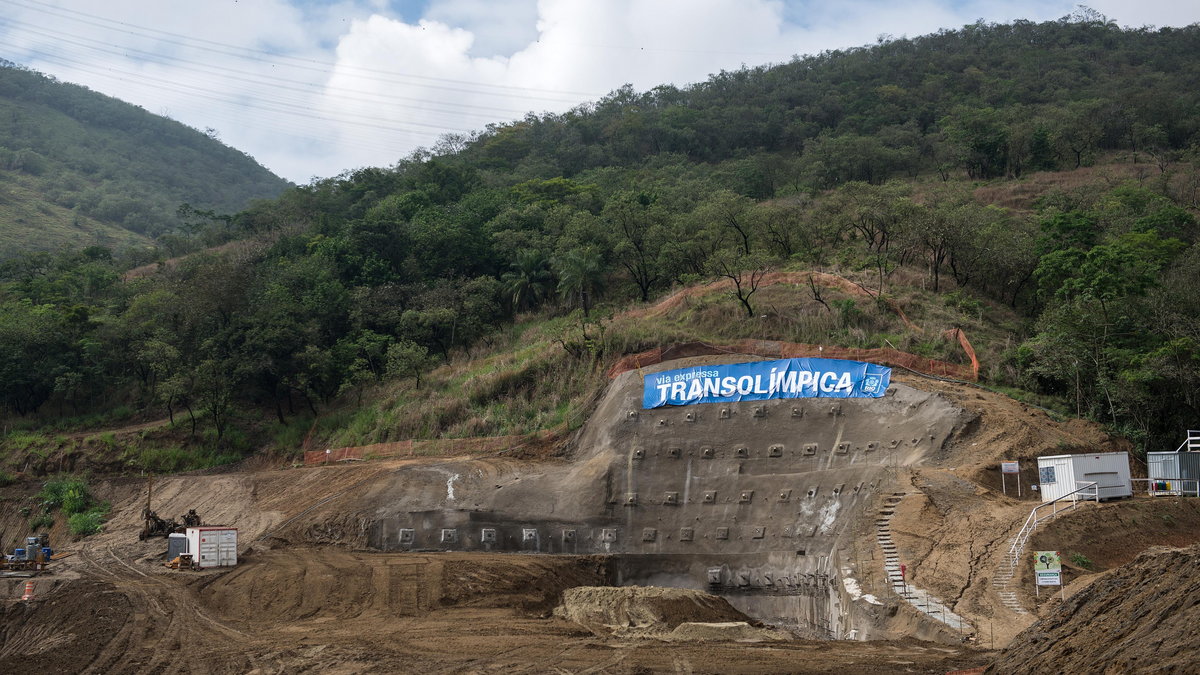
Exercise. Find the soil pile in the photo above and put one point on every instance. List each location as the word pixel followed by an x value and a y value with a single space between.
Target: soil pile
pixel 641 610
pixel 1140 618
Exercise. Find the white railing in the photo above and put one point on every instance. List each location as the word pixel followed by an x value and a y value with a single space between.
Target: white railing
pixel 1179 486
pixel 1192 442
pixel 1090 491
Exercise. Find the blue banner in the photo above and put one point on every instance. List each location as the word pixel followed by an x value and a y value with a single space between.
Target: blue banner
pixel 762 380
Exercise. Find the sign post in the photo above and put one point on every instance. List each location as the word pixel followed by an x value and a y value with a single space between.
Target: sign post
pixel 1007 468
pixel 1047 567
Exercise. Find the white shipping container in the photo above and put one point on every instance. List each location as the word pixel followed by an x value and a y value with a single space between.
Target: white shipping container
pixel 213 546
pixel 1060 475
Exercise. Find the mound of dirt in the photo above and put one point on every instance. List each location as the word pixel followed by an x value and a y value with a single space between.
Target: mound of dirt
pixel 738 631
pixel 1140 618
pixel 62 632
pixel 642 610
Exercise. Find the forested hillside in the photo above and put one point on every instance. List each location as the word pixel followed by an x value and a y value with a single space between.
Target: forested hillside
pixel 1033 184
pixel 78 168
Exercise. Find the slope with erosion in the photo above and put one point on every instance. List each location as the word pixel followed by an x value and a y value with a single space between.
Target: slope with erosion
pixel 767 504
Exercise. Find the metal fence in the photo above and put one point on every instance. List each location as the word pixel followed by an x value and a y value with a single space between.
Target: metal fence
pixel 1173 487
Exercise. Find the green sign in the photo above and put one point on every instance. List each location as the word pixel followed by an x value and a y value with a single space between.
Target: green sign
pixel 1047 561
pixel 1047 567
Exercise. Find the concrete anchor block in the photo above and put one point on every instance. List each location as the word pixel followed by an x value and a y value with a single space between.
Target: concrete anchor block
pixel 746 497
pixel 671 498
pixel 631 499
pixel 687 534
pixel 759 533
pixel 797 411
pixel 810 449
pixel 449 536
pixel 407 535
pixel 674 453
pixel 706 452
pixel 741 452
pixel 785 495
pixel 639 453
pixel 775 451
pixel 689 417
pixel 724 414
pixel 568 536
pixel 760 411
pixel 649 534
pixel 488 535
pixel 608 536
pixel 710 497
pixel 722 533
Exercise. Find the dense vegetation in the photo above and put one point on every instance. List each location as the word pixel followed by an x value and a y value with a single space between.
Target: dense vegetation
pixel 81 168
pixel 909 166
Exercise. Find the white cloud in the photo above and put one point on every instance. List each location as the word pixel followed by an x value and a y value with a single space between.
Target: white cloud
pixel 348 83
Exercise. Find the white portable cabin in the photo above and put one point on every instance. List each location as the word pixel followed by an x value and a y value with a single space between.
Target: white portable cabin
pixel 1060 475
pixel 1176 472
pixel 213 546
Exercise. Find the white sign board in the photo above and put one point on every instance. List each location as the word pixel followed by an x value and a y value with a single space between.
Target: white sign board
pixel 1010 467
pixel 1046 578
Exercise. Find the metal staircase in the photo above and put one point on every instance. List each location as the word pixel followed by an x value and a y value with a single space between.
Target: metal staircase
pixel 919 598
pixel 1006 571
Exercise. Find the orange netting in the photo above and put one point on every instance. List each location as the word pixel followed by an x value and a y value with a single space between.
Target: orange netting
pixel 819 278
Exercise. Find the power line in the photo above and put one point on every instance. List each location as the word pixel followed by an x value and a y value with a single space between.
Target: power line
pixel 307 88
pixel 325 66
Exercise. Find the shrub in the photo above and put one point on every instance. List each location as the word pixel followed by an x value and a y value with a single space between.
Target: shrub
pixel 41 522
pixel 6 478
pixel 86 523
pixel 1080 560
pixel 69 494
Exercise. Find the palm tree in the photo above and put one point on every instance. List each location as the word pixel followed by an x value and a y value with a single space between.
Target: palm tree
pixel 580 274
pixel 529 281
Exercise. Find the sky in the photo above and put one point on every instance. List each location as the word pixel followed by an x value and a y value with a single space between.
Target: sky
pixel 314 88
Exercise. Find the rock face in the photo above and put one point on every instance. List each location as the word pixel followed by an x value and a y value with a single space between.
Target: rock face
pixel 752 501
pixel 1143 617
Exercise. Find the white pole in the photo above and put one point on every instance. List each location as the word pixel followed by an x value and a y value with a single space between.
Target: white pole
pixel 1018 486
pixel 1003 481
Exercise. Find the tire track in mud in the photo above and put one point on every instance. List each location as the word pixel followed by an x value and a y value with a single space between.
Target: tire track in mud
pixel 166 629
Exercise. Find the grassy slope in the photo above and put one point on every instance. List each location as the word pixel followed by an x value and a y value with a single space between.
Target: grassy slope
pixel 529 379
pixel 28 222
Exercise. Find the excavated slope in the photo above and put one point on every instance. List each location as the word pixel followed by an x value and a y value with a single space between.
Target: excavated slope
pixel 1143 617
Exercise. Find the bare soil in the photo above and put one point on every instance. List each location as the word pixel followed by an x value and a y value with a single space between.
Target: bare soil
pixel 334 611
pixel 1141 618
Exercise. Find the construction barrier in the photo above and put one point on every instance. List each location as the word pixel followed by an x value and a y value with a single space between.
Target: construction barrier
pixel 28 592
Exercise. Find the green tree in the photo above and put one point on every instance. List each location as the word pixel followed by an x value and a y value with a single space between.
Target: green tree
pixel 581 275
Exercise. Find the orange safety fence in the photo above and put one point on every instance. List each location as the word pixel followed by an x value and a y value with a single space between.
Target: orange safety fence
pixel 790 350
pixel 818 278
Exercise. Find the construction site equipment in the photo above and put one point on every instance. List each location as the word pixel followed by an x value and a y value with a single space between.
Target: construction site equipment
pixel 183 561
pixel 213 546
pixel 153 526
pixel 1060 475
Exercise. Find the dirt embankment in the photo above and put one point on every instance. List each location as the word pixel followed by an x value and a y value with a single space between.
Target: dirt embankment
pixel 1140 618
pixel 605 610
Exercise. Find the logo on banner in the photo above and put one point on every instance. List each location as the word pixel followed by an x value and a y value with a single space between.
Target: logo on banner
pixel 761 380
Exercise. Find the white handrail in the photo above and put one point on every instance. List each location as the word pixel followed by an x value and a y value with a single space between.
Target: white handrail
pixel 1033 520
